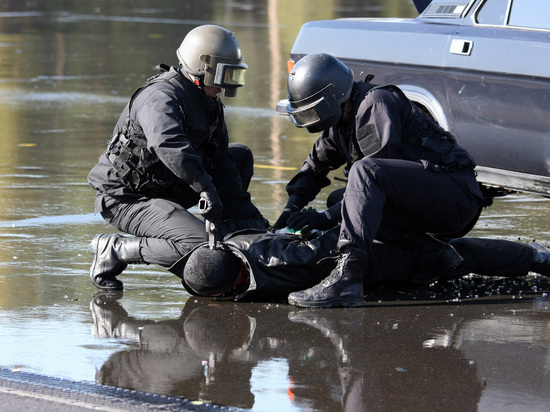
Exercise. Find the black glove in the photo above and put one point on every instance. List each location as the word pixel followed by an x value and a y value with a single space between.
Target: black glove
pixel 308 220
pixel 210 205
pixel 294 204
pixel 281 223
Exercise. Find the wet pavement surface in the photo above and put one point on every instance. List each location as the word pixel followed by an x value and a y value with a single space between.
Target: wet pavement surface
pixel 396 353
pixel 66 71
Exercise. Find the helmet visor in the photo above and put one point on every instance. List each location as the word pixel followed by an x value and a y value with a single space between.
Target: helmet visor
pixel 224 72
pixel 230 75
pixel 310 114
pixel 304 118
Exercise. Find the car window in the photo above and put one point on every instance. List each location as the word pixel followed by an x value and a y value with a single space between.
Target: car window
pixel 530 13
pixel 493 12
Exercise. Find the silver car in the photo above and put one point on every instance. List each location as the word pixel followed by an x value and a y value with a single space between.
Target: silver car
pixel 481 68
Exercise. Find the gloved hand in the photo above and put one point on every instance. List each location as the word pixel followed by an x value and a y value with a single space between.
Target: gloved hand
pixel 307 220
pixel 294 204
pixel 281 223
pixel 210 205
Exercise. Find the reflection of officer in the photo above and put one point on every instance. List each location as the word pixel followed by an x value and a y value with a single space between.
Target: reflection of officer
pixel 210 351
pixel 372 375
pixel 264 266
pixel 407 176
pixel 202 355
pixel 169 149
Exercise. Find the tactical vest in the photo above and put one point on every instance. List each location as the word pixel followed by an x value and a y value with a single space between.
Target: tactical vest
pixel 135 166
pixel 356 147
pixel 422 136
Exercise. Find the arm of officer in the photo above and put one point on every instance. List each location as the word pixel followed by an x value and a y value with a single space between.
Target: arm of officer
pixel 159 114
pixel 312 177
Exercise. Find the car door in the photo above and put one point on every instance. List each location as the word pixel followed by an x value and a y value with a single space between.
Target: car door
pixel 498 82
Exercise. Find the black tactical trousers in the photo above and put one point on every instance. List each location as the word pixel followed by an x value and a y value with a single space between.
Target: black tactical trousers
pixel 386 198
pixel 168 231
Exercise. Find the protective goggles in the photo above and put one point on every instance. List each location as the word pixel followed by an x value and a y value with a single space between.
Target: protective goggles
pixel 313 113
pixel 224 72
pixel 230 75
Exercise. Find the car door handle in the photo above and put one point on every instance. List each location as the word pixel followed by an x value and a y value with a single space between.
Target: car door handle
pixel 462 47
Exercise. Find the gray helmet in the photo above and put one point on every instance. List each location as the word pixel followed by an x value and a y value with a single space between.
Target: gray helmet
pixel 211 272
pixel 317 86
pixel 213 53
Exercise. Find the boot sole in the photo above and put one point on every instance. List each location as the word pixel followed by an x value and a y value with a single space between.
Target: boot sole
pixel 331 303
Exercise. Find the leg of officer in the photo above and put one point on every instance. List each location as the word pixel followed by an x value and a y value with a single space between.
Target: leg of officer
pixel 244 159
pixel 386 198
pixel 167 230
pixel 163 232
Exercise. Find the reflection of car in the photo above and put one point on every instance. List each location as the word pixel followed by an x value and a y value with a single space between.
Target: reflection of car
pixel 481 68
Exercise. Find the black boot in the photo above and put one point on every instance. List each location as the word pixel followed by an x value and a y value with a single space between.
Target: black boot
pixel 436 258
pixel 112 254
pixel 343 287
pixel 541 259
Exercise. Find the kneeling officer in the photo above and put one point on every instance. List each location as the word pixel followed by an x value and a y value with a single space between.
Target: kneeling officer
pixel 169 149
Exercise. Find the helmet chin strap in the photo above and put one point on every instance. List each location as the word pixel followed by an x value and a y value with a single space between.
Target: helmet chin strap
pixel 199 81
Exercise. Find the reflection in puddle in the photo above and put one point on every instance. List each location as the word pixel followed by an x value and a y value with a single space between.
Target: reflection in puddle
pixel 255 356
pixel 53 220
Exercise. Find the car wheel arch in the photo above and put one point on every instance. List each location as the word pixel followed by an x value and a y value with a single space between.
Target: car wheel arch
pixel 427 102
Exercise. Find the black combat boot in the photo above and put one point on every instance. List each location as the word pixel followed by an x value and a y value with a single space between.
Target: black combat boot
pixel 541 259
pixel 436 258
pixel 343 287
pixel 112 254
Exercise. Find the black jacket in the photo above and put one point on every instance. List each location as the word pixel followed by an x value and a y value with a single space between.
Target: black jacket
pixel 383 123
pixel 186 147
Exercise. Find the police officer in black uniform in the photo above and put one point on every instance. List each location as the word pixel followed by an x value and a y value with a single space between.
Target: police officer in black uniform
pixel 170 149
pixel 407 176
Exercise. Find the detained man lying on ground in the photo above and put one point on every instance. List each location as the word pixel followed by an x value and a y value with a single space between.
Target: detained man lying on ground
pixel 254 265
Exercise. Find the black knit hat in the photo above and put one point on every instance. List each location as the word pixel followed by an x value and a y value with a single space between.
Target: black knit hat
pixel 210 272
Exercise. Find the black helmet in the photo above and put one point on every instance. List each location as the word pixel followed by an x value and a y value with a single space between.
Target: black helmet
pixel 213 54
pixel 317 85
pixel 210 272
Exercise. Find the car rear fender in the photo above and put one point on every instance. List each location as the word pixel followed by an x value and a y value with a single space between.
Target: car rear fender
pixel 427 102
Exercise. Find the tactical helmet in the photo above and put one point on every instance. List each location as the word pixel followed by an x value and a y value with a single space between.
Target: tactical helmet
pixel 213 53
pixel 211 272
pixel 317 85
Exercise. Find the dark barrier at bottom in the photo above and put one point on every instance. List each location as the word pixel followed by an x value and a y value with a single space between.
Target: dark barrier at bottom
pixel 86 393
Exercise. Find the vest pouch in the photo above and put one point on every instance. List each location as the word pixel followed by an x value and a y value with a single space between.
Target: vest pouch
pixel 137 167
